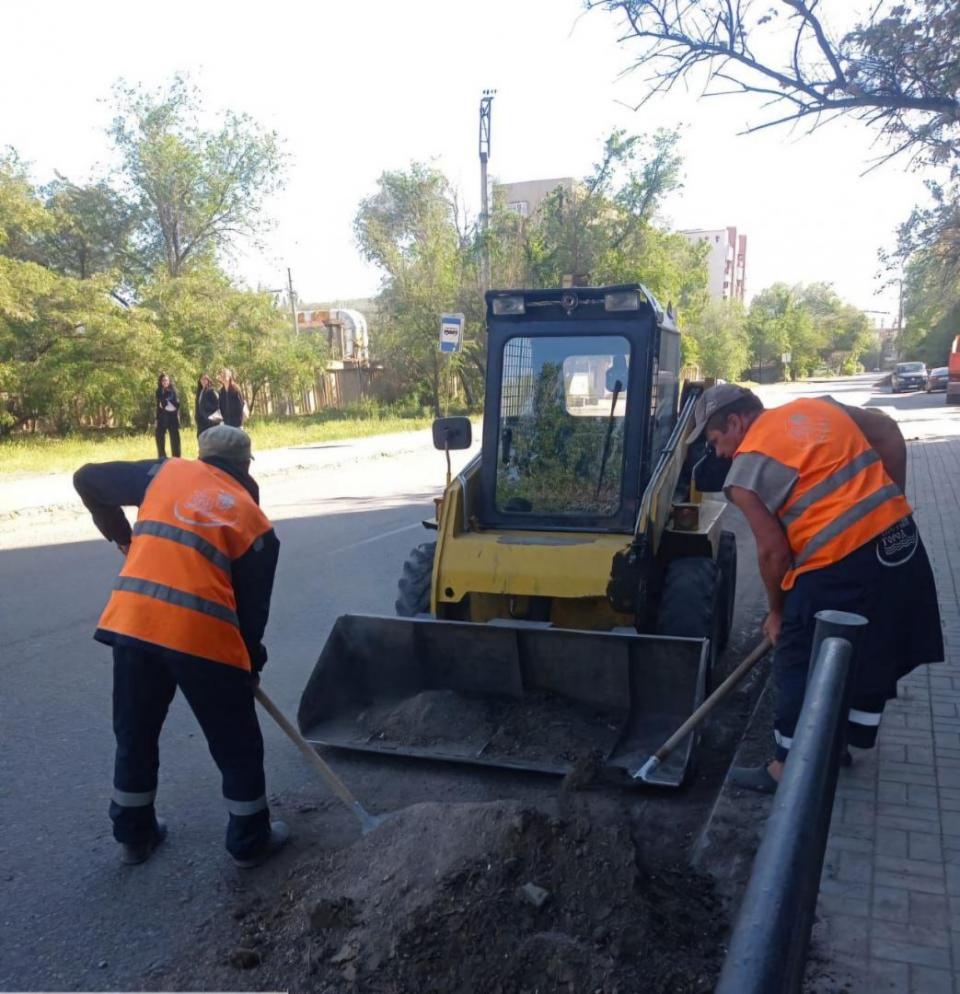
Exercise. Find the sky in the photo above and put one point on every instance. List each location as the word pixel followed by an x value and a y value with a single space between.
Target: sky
pixel 356 89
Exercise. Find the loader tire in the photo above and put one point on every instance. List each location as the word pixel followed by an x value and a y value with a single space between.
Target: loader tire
pixel 413 590
pixel 691 604
pixel 727 561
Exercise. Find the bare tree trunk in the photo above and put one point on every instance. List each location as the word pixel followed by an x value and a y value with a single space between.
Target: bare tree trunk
pixel 437 413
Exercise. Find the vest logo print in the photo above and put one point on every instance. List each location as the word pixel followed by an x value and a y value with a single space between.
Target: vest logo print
pixel 207 509
pixel 898 543
pixel 808 430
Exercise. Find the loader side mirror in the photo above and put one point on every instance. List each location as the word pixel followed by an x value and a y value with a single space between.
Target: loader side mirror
pixel 452 433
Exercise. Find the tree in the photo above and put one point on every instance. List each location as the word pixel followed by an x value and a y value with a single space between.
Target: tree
pixel 768 326
pixel 603 228
pixel 408 228
pixel 931 305
pixel 722 349
pixel 196 190
pixel 896 70
pixel 208 323
pixel 90 231
pixel 69 352
pixel 22 216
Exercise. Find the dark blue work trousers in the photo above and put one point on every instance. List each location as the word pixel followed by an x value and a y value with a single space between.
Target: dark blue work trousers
pixel 221 698
pixel 890 582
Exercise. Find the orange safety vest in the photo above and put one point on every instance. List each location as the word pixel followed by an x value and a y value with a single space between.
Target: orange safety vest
pixel 175 589
pixel 840 496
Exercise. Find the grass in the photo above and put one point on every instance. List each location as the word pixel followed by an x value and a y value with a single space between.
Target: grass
pixel 27 454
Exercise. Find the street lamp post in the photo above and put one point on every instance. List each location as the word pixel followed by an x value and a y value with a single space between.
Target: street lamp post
pixel 485 129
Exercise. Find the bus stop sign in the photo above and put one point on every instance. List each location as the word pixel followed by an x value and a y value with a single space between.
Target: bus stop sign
pixel 451 332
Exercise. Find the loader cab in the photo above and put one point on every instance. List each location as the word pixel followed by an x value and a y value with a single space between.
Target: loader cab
pixel 582 391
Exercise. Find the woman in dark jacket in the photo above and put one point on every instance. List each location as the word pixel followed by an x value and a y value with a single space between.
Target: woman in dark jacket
pixel 168 417
pixel 207 411
pixel 232 404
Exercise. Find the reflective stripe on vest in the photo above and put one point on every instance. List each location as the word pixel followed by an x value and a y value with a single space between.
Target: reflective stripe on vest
pixel 813 467
pixel 825 487
pixel 175 590
pixel 161 592
pixel 176 534
pixel 858 512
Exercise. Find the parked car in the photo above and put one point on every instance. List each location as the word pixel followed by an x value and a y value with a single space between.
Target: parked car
pixel 937 379
pixel 908 376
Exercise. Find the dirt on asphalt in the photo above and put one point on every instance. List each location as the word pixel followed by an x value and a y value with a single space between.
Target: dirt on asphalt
pixel 569 887
pixel 496 897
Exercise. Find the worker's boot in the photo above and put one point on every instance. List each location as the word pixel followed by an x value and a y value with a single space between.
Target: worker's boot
pixel 279 837
pixel 132 853
pixel 756 778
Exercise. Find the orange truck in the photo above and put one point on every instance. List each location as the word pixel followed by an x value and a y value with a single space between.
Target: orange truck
pixel 953 381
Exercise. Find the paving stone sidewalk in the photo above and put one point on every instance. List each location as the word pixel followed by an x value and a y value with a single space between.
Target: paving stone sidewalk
pixel 889 907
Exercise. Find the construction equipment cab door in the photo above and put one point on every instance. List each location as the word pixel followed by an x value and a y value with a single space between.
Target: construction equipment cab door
pixel 564 445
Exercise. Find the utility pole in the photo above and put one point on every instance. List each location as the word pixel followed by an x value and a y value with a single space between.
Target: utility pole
pixel 485 121
pixel 293 303
pixel 900 322
pixel 883 314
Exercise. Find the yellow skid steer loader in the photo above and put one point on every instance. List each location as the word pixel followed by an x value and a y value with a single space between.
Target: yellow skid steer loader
pixel 580 587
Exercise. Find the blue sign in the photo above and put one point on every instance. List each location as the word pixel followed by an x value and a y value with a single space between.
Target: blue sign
pixel 451 332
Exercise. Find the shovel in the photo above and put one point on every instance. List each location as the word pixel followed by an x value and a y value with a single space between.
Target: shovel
pixel 368 822
pixel 644 772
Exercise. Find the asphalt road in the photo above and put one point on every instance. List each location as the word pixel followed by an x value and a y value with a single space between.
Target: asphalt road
pixel 71 917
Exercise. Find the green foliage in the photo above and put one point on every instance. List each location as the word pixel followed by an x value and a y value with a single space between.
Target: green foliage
pixel 931 295
pixel 195 189
pixel 811 323
pixel 67 349
pixel 22 217
pixel 603 231
pixel 722 350
pixel 558 462
pixel 929 251
pixel 408 229
pixel 208 323
pixel 102 286
pixel 90 230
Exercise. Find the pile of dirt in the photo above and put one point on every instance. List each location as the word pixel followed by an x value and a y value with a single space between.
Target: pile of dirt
pixel 496 897
pixel 432 717
pixel 541 727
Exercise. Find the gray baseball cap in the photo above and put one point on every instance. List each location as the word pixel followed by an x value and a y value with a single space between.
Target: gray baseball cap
pixel 713 400
pixel 225 442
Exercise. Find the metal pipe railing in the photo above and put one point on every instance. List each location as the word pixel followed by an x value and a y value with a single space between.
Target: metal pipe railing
pixel 768 946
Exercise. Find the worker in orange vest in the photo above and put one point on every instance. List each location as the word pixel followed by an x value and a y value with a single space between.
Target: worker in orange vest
pixel 822 486
pixel 187 611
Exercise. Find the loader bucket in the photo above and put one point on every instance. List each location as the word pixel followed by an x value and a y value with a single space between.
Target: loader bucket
pixel 523 696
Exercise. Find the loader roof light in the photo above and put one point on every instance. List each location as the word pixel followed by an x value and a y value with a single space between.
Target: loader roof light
pixel 622 300
pixel 508 305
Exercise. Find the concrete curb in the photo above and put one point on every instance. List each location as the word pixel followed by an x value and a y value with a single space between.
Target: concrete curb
pixel 76 506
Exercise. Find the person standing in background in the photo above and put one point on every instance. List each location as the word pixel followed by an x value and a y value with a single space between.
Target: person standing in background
pixel 207 410
pixel 168 417
pixel 232 405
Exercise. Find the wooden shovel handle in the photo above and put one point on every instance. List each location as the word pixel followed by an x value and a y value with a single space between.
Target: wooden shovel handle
pixel 713 700
pixel 310 754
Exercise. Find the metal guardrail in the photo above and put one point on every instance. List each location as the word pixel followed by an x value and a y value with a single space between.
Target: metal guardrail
pixel 768 946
